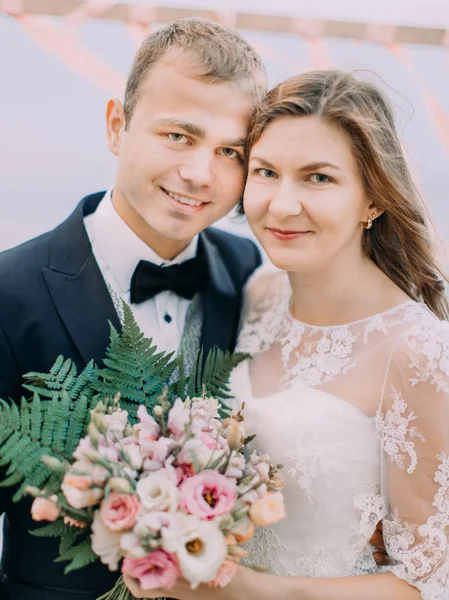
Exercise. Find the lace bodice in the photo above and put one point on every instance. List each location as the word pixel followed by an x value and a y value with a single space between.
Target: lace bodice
pixel 358 415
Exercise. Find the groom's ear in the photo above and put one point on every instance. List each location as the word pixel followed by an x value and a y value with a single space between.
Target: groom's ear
pixel 115 124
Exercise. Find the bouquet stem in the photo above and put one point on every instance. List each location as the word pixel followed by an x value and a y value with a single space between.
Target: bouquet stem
pixel 119 592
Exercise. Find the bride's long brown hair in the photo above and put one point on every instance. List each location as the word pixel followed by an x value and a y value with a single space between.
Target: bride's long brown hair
pixel 399 241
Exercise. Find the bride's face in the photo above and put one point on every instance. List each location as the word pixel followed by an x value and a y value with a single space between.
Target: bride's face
pixel 304 197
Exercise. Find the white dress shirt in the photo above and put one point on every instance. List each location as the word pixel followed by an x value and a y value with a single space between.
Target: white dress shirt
pixel 117 250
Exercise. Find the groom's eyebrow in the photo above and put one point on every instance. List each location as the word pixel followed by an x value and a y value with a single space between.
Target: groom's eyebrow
pixel 197 130
pixel 191 128
pixel 236 142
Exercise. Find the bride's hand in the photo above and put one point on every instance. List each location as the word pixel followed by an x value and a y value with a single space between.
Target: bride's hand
pixel 135 589
pixel 240 587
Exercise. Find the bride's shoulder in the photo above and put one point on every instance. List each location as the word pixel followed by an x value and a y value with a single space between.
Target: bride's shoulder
pixel 266 300
pixel 422 342
pixel 265 285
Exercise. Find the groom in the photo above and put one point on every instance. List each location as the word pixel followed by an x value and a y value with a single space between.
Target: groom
pixel 179 140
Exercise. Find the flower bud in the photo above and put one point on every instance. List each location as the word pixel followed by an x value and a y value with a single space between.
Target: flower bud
pixel 158 411
pixel 99 421
pixel 120 485
pixel 93 456
pixel 33 491
pixel 237 551
pixel 93 433
pixel 235 433
pixel 51 462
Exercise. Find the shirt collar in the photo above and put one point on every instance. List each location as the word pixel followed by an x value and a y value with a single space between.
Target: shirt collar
pixel 121 248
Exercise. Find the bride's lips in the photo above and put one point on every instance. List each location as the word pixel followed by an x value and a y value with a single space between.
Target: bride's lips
pixel 286 234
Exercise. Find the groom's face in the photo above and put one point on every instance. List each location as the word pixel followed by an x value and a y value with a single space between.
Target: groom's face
pixel 180 165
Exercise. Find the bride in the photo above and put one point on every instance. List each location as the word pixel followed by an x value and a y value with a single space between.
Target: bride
pixel 349 381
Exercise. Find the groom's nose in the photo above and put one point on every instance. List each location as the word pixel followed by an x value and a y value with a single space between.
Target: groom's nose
pixel 197 168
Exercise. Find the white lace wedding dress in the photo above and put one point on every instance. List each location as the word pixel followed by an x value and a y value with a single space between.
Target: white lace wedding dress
pixel 358 414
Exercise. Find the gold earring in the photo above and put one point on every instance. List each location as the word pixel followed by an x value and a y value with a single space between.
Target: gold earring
pixel 369 223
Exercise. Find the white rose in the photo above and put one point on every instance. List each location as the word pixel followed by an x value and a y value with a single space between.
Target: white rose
pixel 106 543
pixel 199 545
pixel 157 492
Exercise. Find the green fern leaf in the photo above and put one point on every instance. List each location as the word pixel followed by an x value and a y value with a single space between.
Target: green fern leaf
pixel 54 530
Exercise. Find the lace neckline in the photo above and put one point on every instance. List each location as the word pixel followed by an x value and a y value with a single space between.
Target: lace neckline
pixel 304 325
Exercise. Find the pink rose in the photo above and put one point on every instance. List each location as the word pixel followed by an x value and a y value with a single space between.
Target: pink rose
pixel 267 510
pixel 178 417
pixel 208 494
pixel 45 509
pixel 159 569
pixel 120 511
pixel 225 573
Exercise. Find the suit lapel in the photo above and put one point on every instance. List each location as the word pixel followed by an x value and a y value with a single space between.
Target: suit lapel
pixel 77 287
pixel 221 302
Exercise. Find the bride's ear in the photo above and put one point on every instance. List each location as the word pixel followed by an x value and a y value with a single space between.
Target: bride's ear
pixel 374 211
pixel 115 125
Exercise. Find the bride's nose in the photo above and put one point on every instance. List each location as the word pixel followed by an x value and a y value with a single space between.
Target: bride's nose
pixel 285 201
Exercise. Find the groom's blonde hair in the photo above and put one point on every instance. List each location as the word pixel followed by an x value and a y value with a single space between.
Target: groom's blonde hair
pixel 217 54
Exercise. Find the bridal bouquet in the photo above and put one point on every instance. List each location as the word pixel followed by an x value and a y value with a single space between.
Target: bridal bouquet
pixel 140 465
pixel 173 495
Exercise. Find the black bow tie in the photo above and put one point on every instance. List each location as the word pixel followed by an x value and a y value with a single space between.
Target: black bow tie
pixel 184 279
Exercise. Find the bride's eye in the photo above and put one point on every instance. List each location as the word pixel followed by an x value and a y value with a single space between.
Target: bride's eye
pixel 267 173
pixel 180 138
pixel 319 178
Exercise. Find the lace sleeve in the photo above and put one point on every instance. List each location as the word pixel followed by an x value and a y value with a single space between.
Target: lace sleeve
pixel 413 424
pixel 266 297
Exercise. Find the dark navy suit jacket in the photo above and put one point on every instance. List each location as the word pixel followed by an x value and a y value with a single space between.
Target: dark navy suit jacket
pixel 53 300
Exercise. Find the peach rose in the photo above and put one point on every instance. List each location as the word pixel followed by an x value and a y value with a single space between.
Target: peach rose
pixel 120 511
pixel 267 510
pixel 79 498
pixel 79 482
pixel 45 509
pixel 243 530
pixel 225 573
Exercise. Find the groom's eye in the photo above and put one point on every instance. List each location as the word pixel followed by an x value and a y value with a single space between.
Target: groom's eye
pixel 180 138
pixel 231 153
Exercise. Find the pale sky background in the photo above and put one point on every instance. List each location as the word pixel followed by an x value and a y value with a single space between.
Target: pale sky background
pixel 423 13
pixel 52 139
